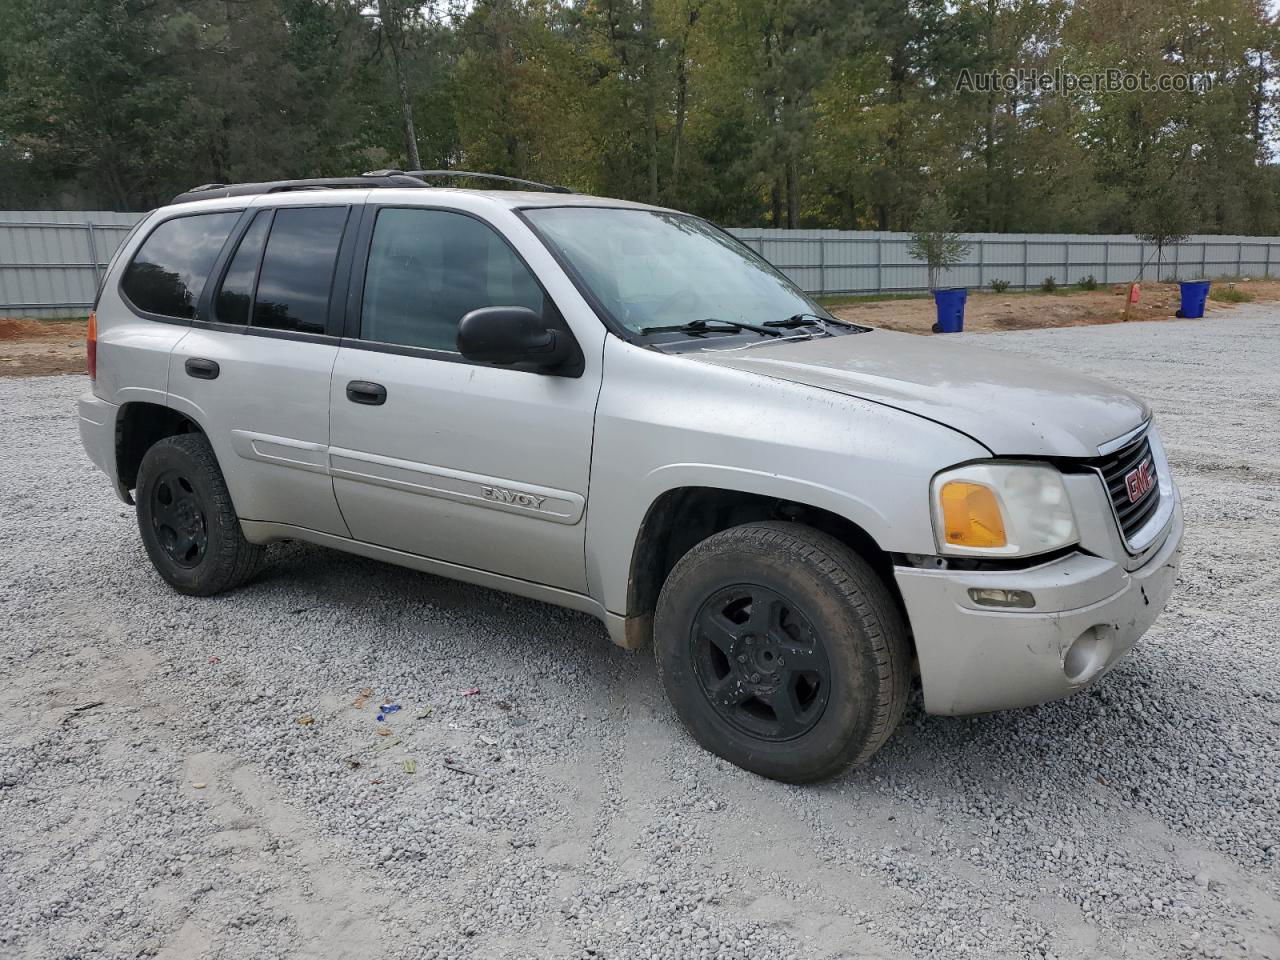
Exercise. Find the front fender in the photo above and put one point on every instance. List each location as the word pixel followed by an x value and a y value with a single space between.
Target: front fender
pixel 843 502
pixel 667 422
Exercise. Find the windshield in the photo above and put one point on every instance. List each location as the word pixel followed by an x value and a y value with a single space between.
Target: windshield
pixel 654 269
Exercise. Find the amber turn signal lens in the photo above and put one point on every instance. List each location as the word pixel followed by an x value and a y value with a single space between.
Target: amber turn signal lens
pixel 91 346
pixel 971 515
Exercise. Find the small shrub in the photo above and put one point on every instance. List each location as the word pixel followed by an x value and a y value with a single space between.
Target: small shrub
pixel 934 239
pixel 999 286
pixel 1230 295
pixel 1049 284
pixel 1088 283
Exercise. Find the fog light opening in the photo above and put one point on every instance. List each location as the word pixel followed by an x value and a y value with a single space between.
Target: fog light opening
pixel 988 597
pixel 1086 656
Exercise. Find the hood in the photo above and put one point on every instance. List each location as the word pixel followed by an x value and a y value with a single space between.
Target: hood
pixel 1013 406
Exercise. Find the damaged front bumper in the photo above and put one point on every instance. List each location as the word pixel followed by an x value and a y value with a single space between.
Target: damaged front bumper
pixel 1089 611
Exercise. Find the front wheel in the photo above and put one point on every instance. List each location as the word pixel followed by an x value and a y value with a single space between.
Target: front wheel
pixel 186 519
pixel 782 651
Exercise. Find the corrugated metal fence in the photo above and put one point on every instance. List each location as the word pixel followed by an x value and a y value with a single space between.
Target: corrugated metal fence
pixel 849 261
pixel 51 261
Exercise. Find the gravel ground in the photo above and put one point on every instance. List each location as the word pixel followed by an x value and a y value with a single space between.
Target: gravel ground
pixel 231 793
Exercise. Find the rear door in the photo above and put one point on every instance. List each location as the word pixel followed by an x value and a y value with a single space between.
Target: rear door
pixel 255 367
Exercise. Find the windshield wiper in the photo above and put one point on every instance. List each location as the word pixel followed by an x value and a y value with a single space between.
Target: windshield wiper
pixel 808 320
pixel 703 326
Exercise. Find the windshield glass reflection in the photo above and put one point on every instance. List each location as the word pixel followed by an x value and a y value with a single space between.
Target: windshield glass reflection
pixel 653 268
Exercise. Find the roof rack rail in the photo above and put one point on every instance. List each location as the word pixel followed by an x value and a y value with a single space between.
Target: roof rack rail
pixel 449 174
pixel 374 178
pixel 391 178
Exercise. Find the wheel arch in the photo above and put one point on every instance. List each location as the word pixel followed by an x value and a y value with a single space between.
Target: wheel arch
pixel 141 424
pixel 681 517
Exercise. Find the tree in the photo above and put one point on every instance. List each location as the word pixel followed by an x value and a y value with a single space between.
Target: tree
pixel 1162 218
pixel 790 113
pixel 393 18
pixel 934 238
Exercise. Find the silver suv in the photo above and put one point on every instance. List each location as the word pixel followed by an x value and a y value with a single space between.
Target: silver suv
pixel 623 410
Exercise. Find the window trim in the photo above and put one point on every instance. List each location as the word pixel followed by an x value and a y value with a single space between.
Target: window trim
pixel 161 317
pixel 355 298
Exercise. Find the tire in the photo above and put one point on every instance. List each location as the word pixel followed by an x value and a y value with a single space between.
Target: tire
pixel 810 600
pixel 188 525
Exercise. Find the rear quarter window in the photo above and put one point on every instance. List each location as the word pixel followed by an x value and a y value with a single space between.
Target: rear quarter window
pixel 167 274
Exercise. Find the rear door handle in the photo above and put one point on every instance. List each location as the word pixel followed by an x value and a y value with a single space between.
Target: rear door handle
pixel 362 391
pixel 203 369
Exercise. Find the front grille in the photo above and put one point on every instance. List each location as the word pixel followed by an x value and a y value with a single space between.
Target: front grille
pixel 1115 467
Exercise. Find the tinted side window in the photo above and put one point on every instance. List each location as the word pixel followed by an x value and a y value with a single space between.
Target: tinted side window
pixel 427 268
pixel 169 270
pixel 297 270
pixel 235 296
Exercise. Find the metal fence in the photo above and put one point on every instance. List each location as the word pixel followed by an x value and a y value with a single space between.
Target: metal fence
pixel 847 261
pixel 51 261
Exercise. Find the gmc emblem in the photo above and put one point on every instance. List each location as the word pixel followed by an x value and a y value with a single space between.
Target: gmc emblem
pixel 1139 481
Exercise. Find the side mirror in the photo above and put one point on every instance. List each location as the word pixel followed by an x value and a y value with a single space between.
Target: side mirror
pixel 506 335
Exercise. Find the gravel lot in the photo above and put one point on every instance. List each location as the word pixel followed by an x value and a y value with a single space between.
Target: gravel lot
pixel 230 797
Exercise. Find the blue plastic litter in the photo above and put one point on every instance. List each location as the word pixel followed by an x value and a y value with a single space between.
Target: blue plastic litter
pixel 385 709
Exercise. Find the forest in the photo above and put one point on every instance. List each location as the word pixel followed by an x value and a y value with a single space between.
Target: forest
pixel 784 113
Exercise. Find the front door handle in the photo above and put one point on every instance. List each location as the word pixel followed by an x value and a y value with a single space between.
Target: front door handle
pixel 203 369
pixel 362 391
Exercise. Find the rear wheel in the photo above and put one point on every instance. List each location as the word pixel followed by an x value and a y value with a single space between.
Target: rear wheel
pixel 782 651
pixel 188 525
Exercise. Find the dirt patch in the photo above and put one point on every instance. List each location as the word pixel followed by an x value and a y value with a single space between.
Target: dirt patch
pixel 987 312
pixel 41 348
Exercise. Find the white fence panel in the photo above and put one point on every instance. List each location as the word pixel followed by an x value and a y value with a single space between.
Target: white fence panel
pixel 51 261
pixel 852 262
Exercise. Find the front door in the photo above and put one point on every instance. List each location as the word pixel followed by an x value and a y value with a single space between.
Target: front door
pixel 431 454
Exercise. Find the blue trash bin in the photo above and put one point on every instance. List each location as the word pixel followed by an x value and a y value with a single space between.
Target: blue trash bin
pixel 1194 294
pixel 950 304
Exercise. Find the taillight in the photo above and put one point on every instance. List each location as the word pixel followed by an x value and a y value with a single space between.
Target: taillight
pixel 91 346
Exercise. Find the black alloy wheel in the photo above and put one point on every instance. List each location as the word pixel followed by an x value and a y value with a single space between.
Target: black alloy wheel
pixel 760 662
pixel 178 518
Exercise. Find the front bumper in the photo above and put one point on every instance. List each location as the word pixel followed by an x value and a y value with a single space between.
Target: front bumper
pixel 975 659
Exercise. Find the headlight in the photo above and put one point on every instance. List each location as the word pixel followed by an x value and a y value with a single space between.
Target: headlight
pixel 1001 510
